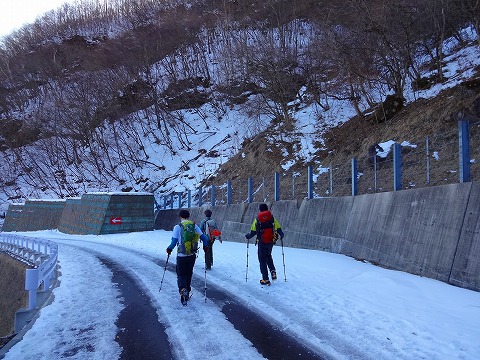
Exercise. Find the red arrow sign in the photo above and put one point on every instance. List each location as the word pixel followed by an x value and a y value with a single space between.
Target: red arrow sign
pixel 115 220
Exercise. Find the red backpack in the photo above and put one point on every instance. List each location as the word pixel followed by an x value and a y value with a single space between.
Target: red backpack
pixel 265 226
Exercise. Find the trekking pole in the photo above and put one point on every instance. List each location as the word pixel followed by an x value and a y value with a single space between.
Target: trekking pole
pixel 205 276
pixel 205 284
pixel 246 272
pixel 283 256
pixel 164 271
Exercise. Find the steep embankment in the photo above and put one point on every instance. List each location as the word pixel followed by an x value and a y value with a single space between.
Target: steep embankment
pixel 13 295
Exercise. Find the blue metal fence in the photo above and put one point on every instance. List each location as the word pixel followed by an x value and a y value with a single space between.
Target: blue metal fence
pixel 438 161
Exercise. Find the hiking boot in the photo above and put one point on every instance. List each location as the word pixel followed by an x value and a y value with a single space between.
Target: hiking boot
pixel 274 275
pixel 265 282
pixel 184 296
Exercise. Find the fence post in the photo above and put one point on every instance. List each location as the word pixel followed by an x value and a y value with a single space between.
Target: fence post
pixel 427 149
pixel 354 177
pixel 293 185
pixel 229 192
pixel 397 167
pixel 330 168
pixel 164 202
pixel 277 187
pixel 213 195
pixel 250 190
pixel 200 193
pixel 464 150
pixel 179 200
pixel 263 189
pixel 189 199
pixel 171 200
pixel 310 182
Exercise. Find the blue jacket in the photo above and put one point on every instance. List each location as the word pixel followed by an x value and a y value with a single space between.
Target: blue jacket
pixel 176 236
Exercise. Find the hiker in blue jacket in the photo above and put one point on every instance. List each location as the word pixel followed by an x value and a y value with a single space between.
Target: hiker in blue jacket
pixel 186 252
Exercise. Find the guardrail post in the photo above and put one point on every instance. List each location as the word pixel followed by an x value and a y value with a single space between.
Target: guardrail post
pixel 46 283
pixel 354 177
pixel 397 167
pixel 31 284
pixel 310 183
pixel 464 150
pixel 277 186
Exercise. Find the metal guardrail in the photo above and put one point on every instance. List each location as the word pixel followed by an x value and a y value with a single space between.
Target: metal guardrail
pixel 41 254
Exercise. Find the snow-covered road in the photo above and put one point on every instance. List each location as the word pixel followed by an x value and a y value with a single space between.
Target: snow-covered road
pixel 334 306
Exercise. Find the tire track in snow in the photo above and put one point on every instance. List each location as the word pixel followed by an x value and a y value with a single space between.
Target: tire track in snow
pixel 140 335
pixel 268 340
pixel 197 331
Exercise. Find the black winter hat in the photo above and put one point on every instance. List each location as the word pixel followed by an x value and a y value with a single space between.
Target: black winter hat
pixel 208 213
pixel 184 214
pixel 263 207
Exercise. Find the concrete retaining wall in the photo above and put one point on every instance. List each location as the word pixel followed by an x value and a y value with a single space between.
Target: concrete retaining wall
pixel 413 230
pixel 466 266
pixel 95 213
pixel 84 215
pixel 33 215
pixel 432 232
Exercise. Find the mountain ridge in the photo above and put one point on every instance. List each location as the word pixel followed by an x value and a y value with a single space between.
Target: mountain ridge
pixel 236 99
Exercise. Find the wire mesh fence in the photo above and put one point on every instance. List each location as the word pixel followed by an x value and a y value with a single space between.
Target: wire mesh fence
pixel 430 161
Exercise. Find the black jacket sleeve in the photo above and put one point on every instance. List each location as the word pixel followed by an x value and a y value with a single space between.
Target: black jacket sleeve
pixel 280 232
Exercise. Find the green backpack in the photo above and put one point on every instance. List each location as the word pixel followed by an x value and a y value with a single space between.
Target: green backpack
pixel 188 238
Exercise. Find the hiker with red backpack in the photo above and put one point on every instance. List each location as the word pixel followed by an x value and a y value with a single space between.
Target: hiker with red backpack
pixel 209 228
pixel 267 229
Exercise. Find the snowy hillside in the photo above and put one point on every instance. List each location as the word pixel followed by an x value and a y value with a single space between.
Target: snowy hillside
pixel 161 151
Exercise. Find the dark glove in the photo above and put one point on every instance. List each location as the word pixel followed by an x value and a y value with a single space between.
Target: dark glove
pixel 169 251
pixel 275 238
pixel 205 249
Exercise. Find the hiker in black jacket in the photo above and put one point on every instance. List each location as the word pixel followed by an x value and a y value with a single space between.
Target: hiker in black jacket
pixel 209 228
pixel 267 229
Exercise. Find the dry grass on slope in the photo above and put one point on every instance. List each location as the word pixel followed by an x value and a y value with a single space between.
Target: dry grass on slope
pixel 436 117
pixel 12 289
pixel 424 117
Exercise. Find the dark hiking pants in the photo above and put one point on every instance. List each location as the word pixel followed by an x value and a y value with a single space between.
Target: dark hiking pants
pixel 209 255
pixel 265 259
pixel 185 271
